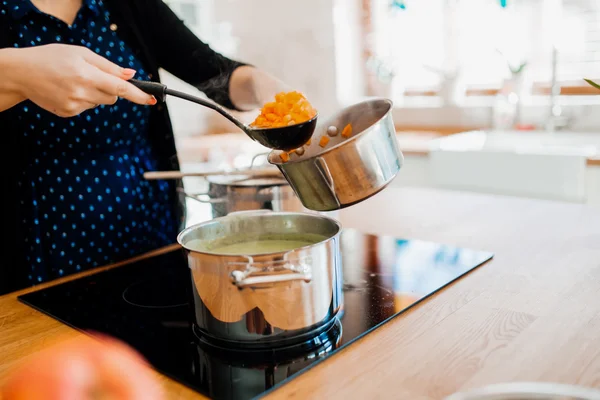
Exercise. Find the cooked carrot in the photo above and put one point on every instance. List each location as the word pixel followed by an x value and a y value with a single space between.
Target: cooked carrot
pixel 308 143
pixel 285 157
pixel 347 131
pixel 287 109
pixel 324 140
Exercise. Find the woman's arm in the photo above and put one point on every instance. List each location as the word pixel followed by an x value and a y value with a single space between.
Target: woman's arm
pixel 9 95
pixel 251 88
pixel 228 82
pixel 63 79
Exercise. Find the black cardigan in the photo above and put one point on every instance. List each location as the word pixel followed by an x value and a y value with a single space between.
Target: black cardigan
pixel 161 40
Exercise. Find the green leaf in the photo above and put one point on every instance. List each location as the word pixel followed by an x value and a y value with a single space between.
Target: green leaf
pixel 592 83
pixel 519 69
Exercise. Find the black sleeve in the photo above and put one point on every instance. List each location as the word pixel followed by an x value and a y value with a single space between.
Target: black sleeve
pixel 180 52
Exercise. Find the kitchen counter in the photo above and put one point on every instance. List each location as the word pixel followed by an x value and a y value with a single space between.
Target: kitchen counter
pixel 532 313
pixel 195 149
pixel 560 165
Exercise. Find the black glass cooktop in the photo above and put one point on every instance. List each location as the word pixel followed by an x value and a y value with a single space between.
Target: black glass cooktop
pixel 146 305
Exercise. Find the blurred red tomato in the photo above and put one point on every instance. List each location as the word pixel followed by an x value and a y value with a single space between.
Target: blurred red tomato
pixel 84 369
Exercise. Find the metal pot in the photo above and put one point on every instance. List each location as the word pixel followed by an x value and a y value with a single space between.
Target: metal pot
pixel 267 299
pixel 227 194
pixel 349 170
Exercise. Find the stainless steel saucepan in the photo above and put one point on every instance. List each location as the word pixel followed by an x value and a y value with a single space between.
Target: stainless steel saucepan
pixel 346 170
pixel 264 300
pixel 227 194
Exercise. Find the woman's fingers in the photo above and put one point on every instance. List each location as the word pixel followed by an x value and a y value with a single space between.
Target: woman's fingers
pixel 98 97
pixel 112 80
pixel 113 86
pixel 108 66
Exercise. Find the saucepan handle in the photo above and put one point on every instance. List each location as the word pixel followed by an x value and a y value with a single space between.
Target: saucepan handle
pixel 249 278
pixel 261 211
pixel 254 281
pixel 255 157
pixel 199 197
pixel 207 199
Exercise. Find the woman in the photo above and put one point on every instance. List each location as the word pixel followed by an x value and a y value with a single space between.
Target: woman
pixel 78 137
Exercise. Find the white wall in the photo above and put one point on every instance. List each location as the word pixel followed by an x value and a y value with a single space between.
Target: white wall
pixel 293 40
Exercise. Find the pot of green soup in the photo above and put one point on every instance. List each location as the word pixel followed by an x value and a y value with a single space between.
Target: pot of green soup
pixel 263 279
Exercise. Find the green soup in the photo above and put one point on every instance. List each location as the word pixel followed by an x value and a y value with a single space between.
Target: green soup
pixel 255 245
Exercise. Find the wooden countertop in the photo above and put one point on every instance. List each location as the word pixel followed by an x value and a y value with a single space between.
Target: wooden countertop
pixel 532 313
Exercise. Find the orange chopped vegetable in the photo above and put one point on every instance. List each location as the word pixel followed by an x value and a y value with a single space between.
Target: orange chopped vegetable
pixel 347 131
pixel 285 157
pixel 324 140
pixel 308 143
pixel 288 109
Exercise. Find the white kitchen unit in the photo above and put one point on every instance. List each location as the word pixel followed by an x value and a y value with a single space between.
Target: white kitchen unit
pixel 415 171
pixel 530 164
pixel 593 185
pixel 547 165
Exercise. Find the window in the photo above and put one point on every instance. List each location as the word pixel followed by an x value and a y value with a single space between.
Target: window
pixel 425 42
pixel 410 41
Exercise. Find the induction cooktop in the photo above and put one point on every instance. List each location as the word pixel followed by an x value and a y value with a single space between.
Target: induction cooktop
pixel 146 305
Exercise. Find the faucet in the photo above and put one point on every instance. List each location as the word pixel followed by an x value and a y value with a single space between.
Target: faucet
pixel 556 120
pixel 451 90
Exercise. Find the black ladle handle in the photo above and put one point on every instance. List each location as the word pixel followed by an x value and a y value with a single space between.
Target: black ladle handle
pixel 160 92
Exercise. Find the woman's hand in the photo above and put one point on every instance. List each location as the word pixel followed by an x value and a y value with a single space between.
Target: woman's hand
pixel 250 88
pixel 66 79
pixel 83 369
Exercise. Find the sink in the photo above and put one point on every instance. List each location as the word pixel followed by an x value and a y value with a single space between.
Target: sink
pixel 587 144
pixel 538 164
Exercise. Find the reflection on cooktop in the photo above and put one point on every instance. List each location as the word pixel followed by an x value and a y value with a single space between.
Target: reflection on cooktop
pixel 146 305
pixel 157 292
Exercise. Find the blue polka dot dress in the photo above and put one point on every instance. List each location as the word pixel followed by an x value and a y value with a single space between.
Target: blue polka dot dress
pixel 84 200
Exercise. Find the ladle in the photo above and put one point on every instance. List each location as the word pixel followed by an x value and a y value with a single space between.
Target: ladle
pixel 283 138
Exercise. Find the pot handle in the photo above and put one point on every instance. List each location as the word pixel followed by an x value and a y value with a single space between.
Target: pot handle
pixel 260 211
pixel 197 197
pixel 243 279
pixel 255 157
pixel 324 170
pixel 241 282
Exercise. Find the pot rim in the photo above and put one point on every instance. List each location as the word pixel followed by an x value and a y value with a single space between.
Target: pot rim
pixel 251 213
pixel 389 102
